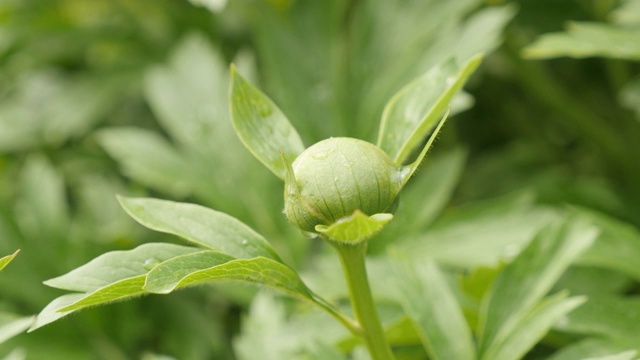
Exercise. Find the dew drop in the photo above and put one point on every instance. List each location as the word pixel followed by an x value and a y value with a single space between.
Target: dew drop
pixel 404 172
pixel 150 263
pixel 320 155
pixel 245 242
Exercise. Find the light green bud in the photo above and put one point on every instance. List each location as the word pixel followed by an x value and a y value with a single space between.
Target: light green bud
pixel 335 177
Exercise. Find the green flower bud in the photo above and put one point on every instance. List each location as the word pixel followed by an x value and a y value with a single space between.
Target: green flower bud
pixel 335 177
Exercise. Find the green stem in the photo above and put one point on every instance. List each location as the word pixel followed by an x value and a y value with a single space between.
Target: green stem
pixel 352 258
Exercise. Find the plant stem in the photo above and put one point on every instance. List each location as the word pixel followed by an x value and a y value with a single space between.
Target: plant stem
pixel 352 258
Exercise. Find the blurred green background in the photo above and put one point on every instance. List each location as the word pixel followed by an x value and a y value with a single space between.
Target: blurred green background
pixel 119 96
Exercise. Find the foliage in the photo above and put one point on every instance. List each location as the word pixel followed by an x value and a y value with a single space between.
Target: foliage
pixel 517 236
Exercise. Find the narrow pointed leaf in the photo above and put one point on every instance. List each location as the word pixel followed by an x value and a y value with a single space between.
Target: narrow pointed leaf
pixel 200 225
pixel 5 260
pixel 533 327
pixel 261 125
pixel 173 275
pixel 626 355
pixel 587 39
pixel 414 166
pixel 11 325
pixel 523 282
pixel 414 110
pixel 355 228
pixel 51 312
pixel 430 304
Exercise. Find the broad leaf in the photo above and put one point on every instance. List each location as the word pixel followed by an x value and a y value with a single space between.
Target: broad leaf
pixel 533 327
pixel 5 260
pixel 523 282
pixel 618 245
pixel 209 266
pixel 593 348
pixel 200 225
pixel 629 96
pixel 588 39
pixel 262 331
pixel 429 302
pixel 44 211
pixel 627 355
pixel 479 234
pixel 416 109
pixel 149 159
pixel 261 125
pixel 113 276
pixel 437 181
pixel 628 13
pixel 609 316
pixel 116 266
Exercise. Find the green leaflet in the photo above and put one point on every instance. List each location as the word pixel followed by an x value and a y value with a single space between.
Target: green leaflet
pixel 432 307
pixel 200 225
pixel 261 125
pixel 627 355
pixel 414 110
pixel 533 327
pixel 149 159
pixel 355 228
pixel 588 39
pixel 116 266
pixel 5 260
pixel 12 325
pixel 520 286
pixel 193 269
pixel 112 276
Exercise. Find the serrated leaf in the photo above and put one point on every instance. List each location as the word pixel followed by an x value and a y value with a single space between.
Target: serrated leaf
pixel 355 228
pixel 523 282
pixel 585 40
pixel 182 272
pixel 261 126
pixel 5 260
pixel 429 302
pixel 200 225
pixel 533 327
pixel 414 110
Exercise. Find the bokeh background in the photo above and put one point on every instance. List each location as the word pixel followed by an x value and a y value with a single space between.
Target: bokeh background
pixel 108 97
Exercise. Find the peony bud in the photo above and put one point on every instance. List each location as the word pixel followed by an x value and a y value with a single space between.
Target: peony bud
pixel 335 177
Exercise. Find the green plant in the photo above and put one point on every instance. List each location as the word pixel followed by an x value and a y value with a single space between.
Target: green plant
pixel 514 313
pixel 11 324
pixel 542 135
